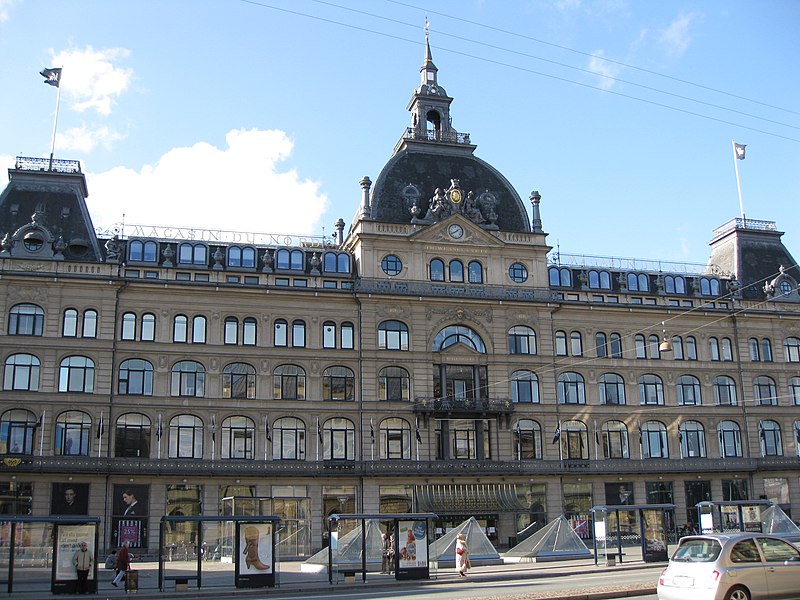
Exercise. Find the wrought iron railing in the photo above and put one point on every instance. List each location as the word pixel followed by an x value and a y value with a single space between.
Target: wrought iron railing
pixel 450 404
pixel 28 163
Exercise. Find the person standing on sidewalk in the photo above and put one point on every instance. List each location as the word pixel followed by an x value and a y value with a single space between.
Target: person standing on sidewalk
pixel 462 555
pixel 83 561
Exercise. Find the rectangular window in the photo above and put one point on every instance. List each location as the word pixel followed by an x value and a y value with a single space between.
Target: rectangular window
pixel 331 285
pixel 300 283
pixel 201 277
pixel 251 280
pixel 282 281
pixel 232 279
pixel 183 276
pixel 132 273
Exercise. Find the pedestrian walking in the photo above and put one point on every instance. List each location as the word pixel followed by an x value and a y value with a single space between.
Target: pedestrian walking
pixel 462 555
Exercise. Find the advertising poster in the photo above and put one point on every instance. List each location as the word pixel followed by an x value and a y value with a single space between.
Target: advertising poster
pixel 70 499
pixel 254 564
pixel 412 547
pixel 68 542
pixel 130 515
pixel 752 518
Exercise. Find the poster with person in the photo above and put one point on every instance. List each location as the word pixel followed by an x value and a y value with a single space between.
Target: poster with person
pixel 69 499
pixel 129 523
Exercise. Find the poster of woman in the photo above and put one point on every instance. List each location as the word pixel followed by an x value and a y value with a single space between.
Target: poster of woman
pixel 412 545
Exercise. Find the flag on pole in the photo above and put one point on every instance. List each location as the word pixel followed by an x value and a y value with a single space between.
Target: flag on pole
pixel 739 149
pixel 158 428
pixel 213 428
pixel 319 431
pixel 797 434
pixel 267 432
pixel 371 433
pixel 557 434
pixel 40 422
pixel 100 428
pixel 51 76
pixel 416 431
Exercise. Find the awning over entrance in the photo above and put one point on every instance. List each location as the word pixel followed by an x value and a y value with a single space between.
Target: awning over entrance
pixel 461 498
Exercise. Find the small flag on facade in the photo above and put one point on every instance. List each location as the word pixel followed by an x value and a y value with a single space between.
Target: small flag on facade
pixel 416 431
pixel 557 434
pixel 266 429
pixel 100 427
pixel 51 76
pixel 739 149
pixel 371 432
pixel 319 431
pixel 158 429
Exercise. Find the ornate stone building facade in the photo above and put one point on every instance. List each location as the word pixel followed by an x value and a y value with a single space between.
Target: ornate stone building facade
pixel 434 356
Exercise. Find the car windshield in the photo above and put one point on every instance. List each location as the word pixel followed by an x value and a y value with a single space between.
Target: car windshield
pixel 697 550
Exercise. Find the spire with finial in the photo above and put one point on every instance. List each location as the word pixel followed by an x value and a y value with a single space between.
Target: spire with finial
pixel 428 69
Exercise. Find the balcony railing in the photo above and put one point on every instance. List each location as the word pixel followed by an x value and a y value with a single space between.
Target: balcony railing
pixel 198 468
pixel 451 404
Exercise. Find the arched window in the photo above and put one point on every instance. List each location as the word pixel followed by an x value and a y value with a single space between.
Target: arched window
pixel 437 269
pixel 458 334
pixel 571 388
pixel 139 251
pixel 135 378
pixel 638 282
pixel 338 439
pixel 289 383
pixel 641 346
pixel 298 333
pixel 574 440
pixel 289 260
pixel 612 389
pixel 727 350
pixel 689 391
pixel 69 326
pixel 794 393
pixel 186 437
pixel 651 390
pixel 791 347
pixel 76 374
pixel 241 256
pixel 347 336
pixel 692 436
pixel 239 381
pixel 395 439
pixel 691 348
pixel 249 331
pixel 615 440
pixel 475 272
pixel 288 439
pixel 343 263
pixel 132 436
pixel 528 440
pixel 521 340
pixel 766 350
pixel 238 438
pixel 561 343
pixel 600 344
pixel 199 330
pixel 394 384
pixel 654 440
pixel 765 391
pixel 338 383
pixel 755 349
pixel 17 428
pixel 456 271
pixel 192 254
pixel 769 433
pixel 128 326
pixel 674 285
pixel 180 328
pixel 231 335
pixel 329 334
pixel 724 391
pixel 576 343
pixel 393 335
pixel 524 387
pixel 677 348
pixel 336 263
pixel 713 348
pixel 560 277
pixel 730 439
pixel 281 333
pixel 26 319
pixel 709 286
pixel 21 373
pixel 73 429
pixel 616 345
pixel 148 327
pixel 654 342
pixel 188 379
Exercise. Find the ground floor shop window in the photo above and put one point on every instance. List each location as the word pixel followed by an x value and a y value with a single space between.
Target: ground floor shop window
pixel 130 509
pixel 16 498
pixel 577 504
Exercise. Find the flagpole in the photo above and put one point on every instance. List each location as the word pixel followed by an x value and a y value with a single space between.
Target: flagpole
pixel 100 426
pixel 55 126
pixel 372 440
pixel 266 435
pixel 41 433
pixel 158 435
pixel 738 183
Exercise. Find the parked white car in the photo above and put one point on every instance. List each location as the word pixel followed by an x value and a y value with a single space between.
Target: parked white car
pixel 735 566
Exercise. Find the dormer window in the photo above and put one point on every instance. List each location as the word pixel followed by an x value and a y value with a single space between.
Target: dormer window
pixel 33 241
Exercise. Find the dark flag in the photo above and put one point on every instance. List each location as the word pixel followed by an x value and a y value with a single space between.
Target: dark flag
pixel 557 434
pixel 797 434
pixel 100 428
pixel 416 431
pixel 267 432
pixel 739 149
pixel 371 433
pixel 319 431
pixel 158 429
pixel 51 76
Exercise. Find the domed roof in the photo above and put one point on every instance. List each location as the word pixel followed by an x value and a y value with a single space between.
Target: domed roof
pixel 434 173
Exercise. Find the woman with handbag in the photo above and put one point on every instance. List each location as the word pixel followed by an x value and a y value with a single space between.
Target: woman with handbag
pixel 462 555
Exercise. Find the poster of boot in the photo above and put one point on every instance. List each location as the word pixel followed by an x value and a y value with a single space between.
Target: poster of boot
pixel 254 567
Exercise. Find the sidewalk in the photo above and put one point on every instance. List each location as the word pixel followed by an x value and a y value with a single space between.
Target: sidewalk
pixel 218 581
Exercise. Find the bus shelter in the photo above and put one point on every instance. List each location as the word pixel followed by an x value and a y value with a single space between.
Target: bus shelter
pixel 357 544
pixel 188 542
pixel 646 525
pixel 33 547
pixel 734 515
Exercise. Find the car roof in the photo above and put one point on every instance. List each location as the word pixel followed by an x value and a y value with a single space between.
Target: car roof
pixel 729 537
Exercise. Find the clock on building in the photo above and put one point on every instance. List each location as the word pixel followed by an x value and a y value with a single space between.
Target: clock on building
pixel 456 231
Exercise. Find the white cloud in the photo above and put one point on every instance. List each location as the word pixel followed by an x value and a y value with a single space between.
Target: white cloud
pixel 675 37
pixel 91 79
pixel 5 9
pixel 238 188
pixel 606 70
pixel 85 139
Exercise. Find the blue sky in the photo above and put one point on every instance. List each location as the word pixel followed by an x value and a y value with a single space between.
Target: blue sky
pixel 263 115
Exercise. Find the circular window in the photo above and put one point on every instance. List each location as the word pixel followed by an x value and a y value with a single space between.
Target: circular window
pixel 518 273
pixel 391 265
pixel 785 287
pixel 33 242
